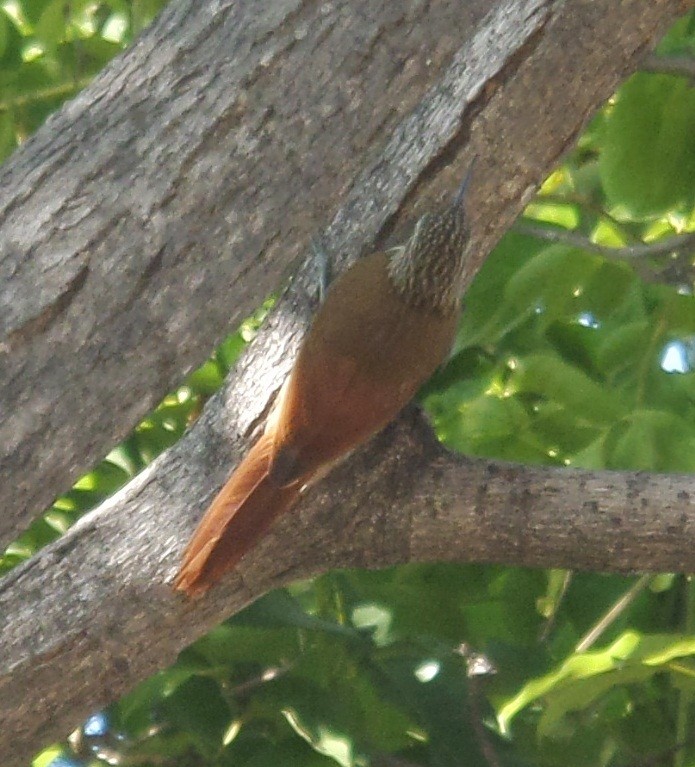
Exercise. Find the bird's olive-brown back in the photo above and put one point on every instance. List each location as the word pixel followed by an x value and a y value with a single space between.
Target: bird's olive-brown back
pixel 366 354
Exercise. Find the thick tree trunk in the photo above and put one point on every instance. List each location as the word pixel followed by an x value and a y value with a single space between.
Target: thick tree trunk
pixel 168 198
pixel 165 201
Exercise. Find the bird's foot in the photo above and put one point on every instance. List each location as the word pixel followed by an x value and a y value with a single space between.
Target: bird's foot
pixel 323 267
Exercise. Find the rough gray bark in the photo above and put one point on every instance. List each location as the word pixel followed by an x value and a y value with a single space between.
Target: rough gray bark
pixel 168 197
pixel 92 614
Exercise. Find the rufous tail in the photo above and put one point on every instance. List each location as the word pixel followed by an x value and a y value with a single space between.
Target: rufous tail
pixel 238 517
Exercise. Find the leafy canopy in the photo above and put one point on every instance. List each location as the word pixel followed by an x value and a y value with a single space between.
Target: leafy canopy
pixel 567 356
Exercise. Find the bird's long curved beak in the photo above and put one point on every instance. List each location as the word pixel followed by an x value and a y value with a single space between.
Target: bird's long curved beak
pixel 463 188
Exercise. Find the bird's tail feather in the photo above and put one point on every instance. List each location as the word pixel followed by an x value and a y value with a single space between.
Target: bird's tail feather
pixel 238 517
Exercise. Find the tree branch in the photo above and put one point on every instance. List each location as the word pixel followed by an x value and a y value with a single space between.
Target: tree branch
pixel 161 206
pixel 233 129
pixel 675 244
pixel 92 614
pixel 682 66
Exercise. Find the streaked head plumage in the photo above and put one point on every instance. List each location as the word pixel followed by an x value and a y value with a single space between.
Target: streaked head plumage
pixel 429 270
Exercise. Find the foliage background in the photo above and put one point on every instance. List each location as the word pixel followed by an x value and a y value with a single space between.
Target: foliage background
pixel 577 348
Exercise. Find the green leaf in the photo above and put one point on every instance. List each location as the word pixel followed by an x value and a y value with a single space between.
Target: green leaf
pixel 144 12
pixel 10 43
pixel 50 28
pixel 441 707
pixel 582 693
pixel 331 693
pixel 485 317
pixel 583 677
pixel 611 288
pixel 90 55
pixel 484 419
pixel 550 282
pixel 680 39
pixel 621 345
pixel 651 440
pixel 198 707
pixel 575 343
pixel 262 752
pixel 507 615
pixel 231 644
pixel 549 376
pixel 32 9
pixel 229 350
pixel 562 214
pixel 45 758
pixel 398 591
pixel 136 711
pixel 206 380
pixel 561 429
pixel 548 604
pixel 678 312
pixel 648 160
pixel 7 135
pixel 280 609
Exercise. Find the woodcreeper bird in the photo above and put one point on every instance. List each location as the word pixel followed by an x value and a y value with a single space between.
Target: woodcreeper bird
pixel 384 327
